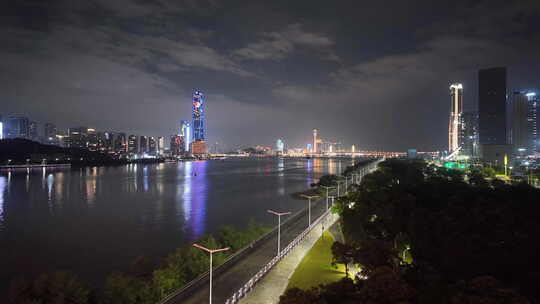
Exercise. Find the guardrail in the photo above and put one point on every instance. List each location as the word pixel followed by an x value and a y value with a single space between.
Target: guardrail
pixel 248 286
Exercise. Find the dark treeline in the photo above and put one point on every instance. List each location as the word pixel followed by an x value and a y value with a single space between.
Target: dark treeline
pixel 140 284
pixel 426 234
pixel 22 151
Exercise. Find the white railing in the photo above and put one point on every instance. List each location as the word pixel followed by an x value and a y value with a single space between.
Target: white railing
pixel 248 286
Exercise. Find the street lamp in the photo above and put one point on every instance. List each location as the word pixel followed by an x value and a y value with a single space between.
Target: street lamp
pixel 211 251
pixel 309 197
pixel 279 214
pixel 326 187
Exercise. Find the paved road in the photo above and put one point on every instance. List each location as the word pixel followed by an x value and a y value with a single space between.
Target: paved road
pixel 237 275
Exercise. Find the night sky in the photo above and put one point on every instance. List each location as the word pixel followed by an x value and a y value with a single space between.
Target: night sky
pixel 375 75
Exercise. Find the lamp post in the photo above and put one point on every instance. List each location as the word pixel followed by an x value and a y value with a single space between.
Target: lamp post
pixel 309 197
pixel 279 214
pixel 326 187
pixel 211 251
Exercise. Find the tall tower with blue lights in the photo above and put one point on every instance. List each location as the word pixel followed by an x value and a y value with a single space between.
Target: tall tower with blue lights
pixel 198 115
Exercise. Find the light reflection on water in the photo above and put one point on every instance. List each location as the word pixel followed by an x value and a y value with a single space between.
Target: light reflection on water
pixel 3 189
pixel 106 216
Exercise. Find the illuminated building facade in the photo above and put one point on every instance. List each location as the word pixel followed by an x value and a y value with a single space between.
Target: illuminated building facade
pixel 280 146
pixel 185 133
pixel 199 121
pixel 92 139
pixel 314 141
pixel 160 145
pixel 78 137
pixel 133 144
pixel 198 147
pixel 143 144
pixel 16 127
pixel 120 143
pixel 523 134
pixel 176 145
pixel 49 134
pixel 455 126
pixel 152 145
pixel 470 134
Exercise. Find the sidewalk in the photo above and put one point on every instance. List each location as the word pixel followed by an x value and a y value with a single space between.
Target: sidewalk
pixel 273 285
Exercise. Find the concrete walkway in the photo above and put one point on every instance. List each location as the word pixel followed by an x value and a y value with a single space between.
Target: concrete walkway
pixel 273 285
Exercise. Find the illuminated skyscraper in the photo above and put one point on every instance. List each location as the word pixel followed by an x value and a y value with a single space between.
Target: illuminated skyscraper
pixel 133 144
pixel 185 134
pixel 160 145
pixel 314 144
pixel 523 133
pixel 199 121
pixel 17 127
pixel 280 146
pixel 455 126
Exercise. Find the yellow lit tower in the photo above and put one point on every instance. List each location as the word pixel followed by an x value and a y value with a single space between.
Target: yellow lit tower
pixel 455 125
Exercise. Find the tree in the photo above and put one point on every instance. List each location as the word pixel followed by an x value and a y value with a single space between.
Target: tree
pixel 385 286
pixel 123 289
pixel 55 288
pixel 375 254
pixel 342 254
pixel 299 296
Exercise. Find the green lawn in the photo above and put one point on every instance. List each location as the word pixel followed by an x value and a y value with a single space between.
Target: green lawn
pixel 316 266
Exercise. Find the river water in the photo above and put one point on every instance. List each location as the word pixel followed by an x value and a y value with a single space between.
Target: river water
pixel 92 221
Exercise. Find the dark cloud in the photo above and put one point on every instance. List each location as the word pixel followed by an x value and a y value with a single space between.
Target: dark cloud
pixel 373 74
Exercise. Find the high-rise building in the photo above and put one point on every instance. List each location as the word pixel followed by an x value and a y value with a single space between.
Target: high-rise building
pixel 78 137
pixel 1 129
pixel 17 127
pixel 152 145
pixel 455 126
pixel 33 131
pixel 199 122
pixel 176 145
pixel 185 133
pixel 106 142
pixel 315 141
pixel 523 133
pixel 120 143
pixel 133 144
pixel 143 144
pixel 93 139
pixel 492 106
pixel 199 147
pixel 280 146
pixel 160 145
pixel 534 99
pixel 50 134
pixel 470 134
